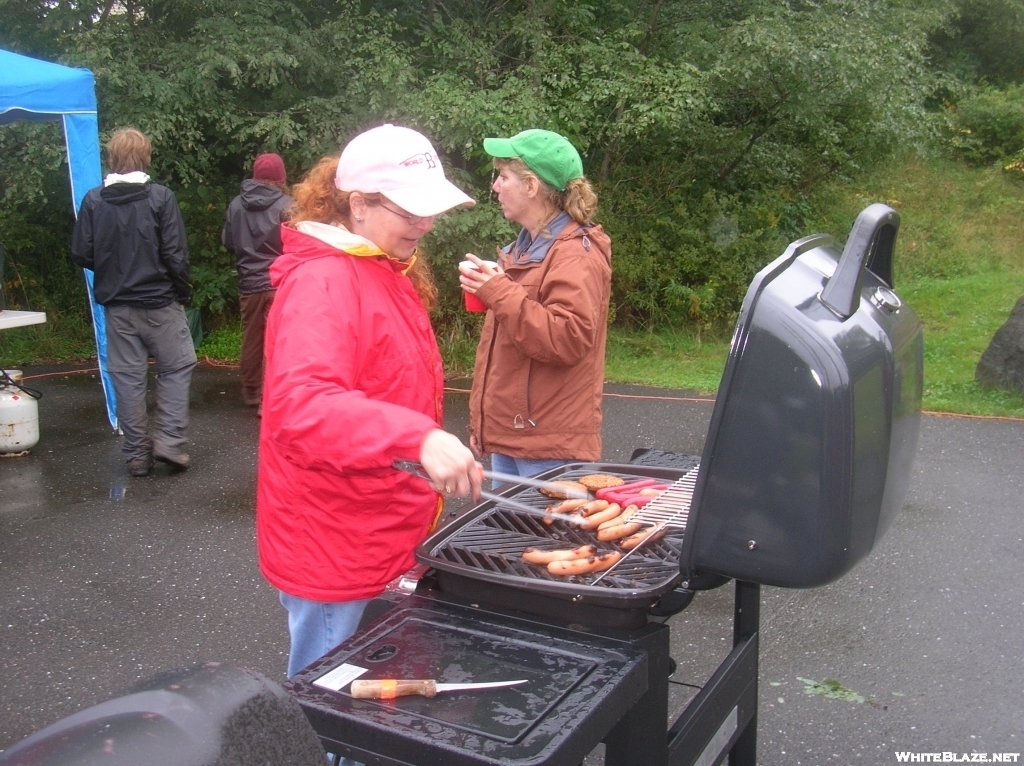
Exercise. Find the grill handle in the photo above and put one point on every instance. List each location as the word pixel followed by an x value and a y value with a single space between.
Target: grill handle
pixel 871 241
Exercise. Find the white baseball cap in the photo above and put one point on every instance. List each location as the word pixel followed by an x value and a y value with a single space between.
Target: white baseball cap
pixel 402 165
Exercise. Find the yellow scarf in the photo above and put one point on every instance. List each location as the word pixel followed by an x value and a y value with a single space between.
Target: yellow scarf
pixel 337 236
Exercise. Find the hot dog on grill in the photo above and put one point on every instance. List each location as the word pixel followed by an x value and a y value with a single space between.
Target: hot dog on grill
pixel 619 531
pixel 622 518
pixel 538 556
pixel 595 520
pixel 593 506
pixel 566 506
pixel 586 565
pixel 648 534
pixel 632 487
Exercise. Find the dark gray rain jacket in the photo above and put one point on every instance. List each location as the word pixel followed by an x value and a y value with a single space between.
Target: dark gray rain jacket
pixel 252 232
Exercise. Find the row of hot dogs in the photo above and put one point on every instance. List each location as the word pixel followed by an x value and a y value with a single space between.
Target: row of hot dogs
pixel 611 522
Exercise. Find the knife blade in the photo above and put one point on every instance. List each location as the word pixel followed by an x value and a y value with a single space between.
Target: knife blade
pixel 389 688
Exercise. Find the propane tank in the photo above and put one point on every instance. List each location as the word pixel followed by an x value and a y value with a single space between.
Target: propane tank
pixel 19 416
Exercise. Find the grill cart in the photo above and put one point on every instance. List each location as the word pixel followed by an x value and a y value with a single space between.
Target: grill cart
pixel 805 464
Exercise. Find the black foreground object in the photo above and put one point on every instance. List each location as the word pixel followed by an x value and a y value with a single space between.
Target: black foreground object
pixel 210 715
pixel 806 463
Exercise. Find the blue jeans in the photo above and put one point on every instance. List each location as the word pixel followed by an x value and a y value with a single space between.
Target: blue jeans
pixel 517 466
pixel 317 627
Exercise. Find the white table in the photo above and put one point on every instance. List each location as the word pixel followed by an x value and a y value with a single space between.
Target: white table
pixel 10 319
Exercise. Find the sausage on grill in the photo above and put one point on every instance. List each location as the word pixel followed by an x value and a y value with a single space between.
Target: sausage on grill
pixel 566 506
pixel 538 556
pixel 595 520
pixel 585 566
pixel 622 518
pixel 648 534
pixel 619 531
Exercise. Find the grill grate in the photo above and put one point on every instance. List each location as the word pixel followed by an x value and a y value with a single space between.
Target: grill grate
pixel 671 508
pixel 489 545
pixel 494 542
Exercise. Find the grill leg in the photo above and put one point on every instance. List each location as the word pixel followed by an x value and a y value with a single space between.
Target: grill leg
pixel 746 622
pixel 722 718
pixel 640 736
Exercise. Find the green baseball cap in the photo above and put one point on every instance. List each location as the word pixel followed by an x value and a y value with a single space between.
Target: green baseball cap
pixel 549 155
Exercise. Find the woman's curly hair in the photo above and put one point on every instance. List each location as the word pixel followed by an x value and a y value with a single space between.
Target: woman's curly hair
pixel 318 199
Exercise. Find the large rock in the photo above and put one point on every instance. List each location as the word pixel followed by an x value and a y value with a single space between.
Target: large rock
pixel 1002 364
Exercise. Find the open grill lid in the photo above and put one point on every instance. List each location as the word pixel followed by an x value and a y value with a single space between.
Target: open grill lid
pixel 808 454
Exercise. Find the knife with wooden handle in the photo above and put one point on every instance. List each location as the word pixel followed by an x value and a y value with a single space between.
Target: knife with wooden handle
pixel 389 688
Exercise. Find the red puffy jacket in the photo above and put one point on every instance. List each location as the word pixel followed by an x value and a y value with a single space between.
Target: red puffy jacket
pixel 353 380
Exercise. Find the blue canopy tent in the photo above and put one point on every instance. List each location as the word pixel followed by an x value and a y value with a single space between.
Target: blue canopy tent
pixel 40 91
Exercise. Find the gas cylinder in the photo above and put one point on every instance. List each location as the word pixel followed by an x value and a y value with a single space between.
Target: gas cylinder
pixel 19 417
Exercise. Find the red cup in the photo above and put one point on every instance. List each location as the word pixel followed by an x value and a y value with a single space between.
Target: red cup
pixel 473 303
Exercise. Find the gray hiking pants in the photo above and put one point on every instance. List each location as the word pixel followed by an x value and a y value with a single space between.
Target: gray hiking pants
pixel 133 335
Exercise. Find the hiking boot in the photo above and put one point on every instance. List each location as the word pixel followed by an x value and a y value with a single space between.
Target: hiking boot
pixel 177 460
pixel 140 466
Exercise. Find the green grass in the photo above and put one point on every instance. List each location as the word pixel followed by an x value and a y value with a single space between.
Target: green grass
pixel 960 316
pixel 60 338
pixel 959 263
pixel 668 359
pixel 223 344
pixel 955 220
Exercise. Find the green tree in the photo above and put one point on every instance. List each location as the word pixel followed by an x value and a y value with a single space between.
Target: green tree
pixel 982 41
pixel 705 125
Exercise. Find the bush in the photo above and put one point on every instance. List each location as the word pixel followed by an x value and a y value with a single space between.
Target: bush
pixel 690 262
pixel 989 126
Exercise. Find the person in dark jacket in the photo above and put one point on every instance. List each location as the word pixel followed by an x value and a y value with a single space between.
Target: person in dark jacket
pixel 130 233
pixel 252 232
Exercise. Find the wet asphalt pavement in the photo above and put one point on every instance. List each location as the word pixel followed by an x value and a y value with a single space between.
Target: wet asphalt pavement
pixel 108 580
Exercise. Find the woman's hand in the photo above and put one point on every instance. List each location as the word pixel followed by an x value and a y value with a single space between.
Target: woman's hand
pixel 473 279
pixel 450 465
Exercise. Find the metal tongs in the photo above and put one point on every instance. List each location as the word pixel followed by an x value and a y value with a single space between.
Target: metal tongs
pixel 410 466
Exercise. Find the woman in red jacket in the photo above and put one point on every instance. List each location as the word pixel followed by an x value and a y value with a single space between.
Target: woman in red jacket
pixel 353 382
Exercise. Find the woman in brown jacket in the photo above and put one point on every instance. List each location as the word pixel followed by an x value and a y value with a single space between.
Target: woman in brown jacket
pixel 539 375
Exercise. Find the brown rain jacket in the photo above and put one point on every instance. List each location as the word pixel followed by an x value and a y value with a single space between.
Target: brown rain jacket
pixel 539 373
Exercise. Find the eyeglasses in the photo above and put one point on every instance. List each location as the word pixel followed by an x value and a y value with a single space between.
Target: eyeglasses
pixel 411 219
